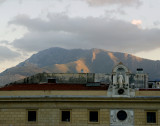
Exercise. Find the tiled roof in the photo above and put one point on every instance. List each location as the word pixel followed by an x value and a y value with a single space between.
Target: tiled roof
pixel 149 89
pixel 49 86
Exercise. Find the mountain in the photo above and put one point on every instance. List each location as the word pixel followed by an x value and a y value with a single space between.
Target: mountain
pixel 59 60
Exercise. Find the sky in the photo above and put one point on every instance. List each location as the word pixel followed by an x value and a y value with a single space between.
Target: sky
pixel 29 26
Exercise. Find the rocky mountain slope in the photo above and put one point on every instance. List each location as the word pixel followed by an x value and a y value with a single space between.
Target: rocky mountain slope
pixel 59 60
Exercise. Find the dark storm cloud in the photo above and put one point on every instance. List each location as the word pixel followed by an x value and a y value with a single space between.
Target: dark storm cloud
pixel 7 54
pixel 62 31
pixel 117 2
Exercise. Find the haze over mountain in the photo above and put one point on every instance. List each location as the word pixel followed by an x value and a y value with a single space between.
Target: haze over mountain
pixel 59 60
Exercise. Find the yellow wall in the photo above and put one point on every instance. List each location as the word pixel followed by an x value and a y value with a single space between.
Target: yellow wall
pixel 53 92
pixel 69 92
pixel 48 113
pixel 147 93
pixel 13 111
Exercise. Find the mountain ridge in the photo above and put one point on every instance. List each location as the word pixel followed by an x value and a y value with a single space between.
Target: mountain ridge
pixel 60 60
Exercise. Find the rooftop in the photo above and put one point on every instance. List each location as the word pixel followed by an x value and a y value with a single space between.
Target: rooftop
pixel 51 86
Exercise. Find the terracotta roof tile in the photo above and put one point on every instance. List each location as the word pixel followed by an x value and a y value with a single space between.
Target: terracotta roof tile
pixel 49 86
pixel 149 89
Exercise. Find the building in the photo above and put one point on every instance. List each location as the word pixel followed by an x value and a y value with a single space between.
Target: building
pixel 154 84
pixel 117 99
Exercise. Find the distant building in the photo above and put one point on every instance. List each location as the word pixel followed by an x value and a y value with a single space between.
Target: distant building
pixel 85 99
pixel 154 84
pixel 139 79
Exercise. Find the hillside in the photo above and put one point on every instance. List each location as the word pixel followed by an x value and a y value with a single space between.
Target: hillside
pixel 59 60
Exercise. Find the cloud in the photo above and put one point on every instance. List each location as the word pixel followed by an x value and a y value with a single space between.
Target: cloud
pixel 63 31
pixel 109 2
pixel 156 23
pixel 7 54
pixel 136 22
pixel 4 42
pixel 2 1
pixel 116 11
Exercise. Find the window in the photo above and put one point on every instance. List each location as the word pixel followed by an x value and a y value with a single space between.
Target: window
pixel 122 115
pixel 32 116
pixel 150 85
pixel 65 116
pixel 93 116
pixel 151 117
pixel 51 80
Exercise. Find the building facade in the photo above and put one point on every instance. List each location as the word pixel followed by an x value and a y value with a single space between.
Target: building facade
pixel 114 99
